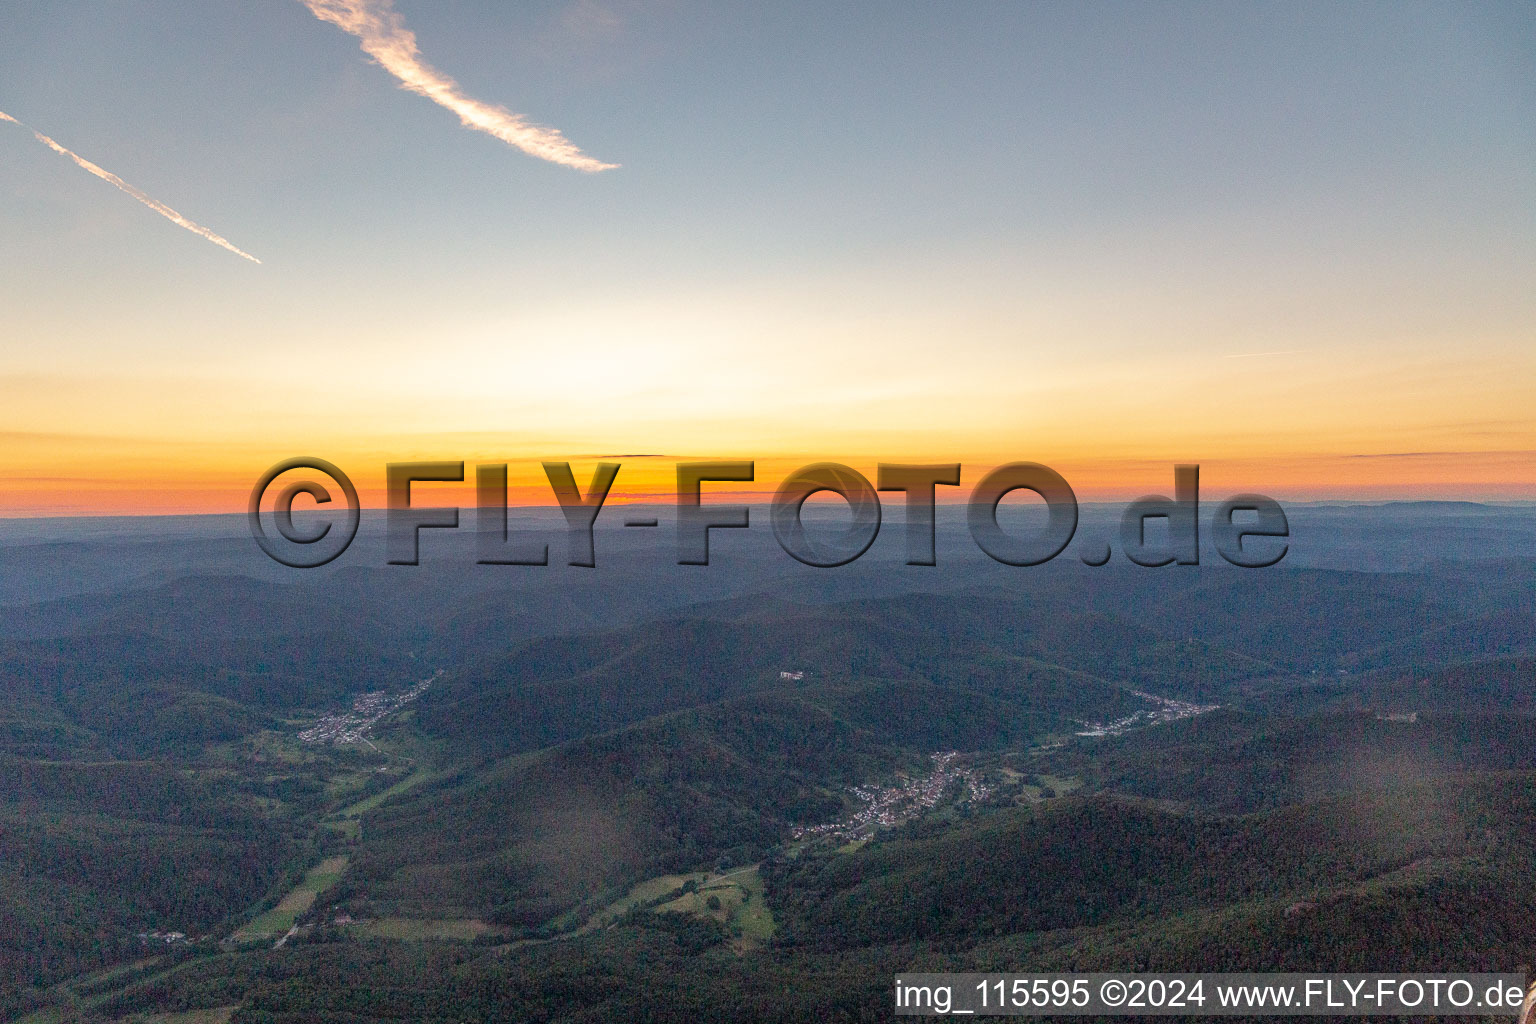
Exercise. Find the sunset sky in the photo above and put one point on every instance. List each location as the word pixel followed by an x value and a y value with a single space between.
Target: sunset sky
pixel 1293 243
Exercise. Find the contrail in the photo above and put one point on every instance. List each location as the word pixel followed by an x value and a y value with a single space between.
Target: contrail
pixel 386 39
pixel 153 204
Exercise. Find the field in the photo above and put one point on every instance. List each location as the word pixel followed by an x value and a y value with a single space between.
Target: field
pixel 421 929
pixel 735 900
pixel 216 1015
pixel 650 891
pixel 367 804
pixel 280 918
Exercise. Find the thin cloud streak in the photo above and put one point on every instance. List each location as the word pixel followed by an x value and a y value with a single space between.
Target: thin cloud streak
pixel 153 204
pixel 386 39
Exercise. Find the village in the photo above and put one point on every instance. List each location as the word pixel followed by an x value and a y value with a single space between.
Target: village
pixel 1163 710
pixel 366 712
pixel 886 806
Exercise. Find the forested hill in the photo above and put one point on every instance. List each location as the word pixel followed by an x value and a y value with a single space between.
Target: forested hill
pixel 754 796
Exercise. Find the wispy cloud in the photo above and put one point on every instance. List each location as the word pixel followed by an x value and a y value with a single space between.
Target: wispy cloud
pixel 386 39
pixel 153 204
pixel 1522 453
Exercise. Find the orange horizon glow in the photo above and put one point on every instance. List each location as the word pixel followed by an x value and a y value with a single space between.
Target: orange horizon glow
pixel 1337 423
pixel 191 490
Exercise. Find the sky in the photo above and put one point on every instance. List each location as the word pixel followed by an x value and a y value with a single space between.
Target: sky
pixel 1294 243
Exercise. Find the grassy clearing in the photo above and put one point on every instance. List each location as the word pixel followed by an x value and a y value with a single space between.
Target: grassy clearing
pixel 278 749
pixel 216 1015
pixel 47 1015
pixel 1060 784
pixel 648 891
pixel 280 918
pixel 417 930
pixel 735 899
pixel 347 828
pixel 367 804
pixel 1029 793
pixel 98 978
pixel 343 784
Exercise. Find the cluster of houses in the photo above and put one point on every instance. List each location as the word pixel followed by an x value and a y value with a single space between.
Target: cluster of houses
pixel 1163 709
pixel 885 806
pixel 163 938
pixel 367 709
